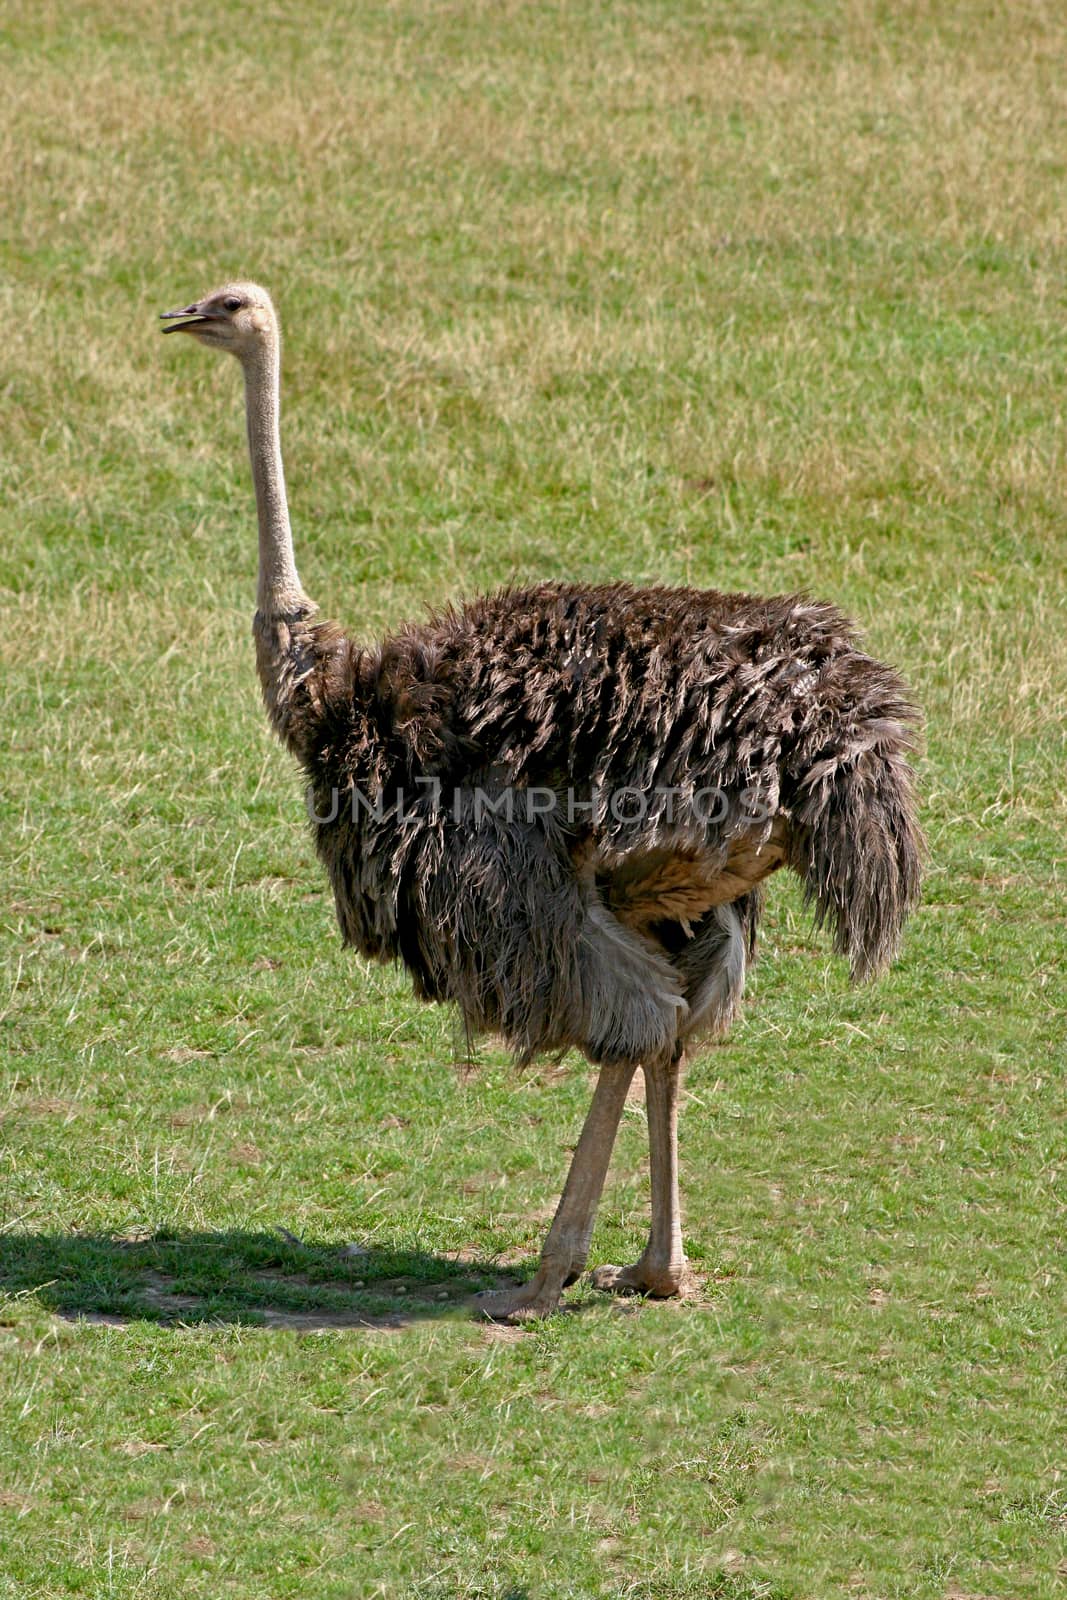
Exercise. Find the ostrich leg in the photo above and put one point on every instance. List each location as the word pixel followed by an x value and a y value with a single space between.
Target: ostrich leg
pixel 566 1248
pixel 661 1269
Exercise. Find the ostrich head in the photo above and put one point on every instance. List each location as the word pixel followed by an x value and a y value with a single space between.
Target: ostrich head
pixel 238 317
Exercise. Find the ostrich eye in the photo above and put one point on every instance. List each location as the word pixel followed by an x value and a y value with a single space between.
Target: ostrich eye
pixel 232 303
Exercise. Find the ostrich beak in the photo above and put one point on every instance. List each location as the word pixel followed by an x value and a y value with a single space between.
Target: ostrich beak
pixel 193 314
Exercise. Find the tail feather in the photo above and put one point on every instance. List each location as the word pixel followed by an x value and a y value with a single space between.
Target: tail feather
pixel 855 838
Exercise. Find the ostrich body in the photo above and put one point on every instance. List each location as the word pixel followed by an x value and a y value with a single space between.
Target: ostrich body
pixel 556 805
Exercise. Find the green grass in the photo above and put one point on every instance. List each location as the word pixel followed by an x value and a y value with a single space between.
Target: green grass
pixel 759 295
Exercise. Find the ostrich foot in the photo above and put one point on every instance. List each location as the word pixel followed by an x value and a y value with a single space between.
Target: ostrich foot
pixel 530 1301
pixel 645 1277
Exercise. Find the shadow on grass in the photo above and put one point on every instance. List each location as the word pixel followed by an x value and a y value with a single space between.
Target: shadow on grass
pixel 258 1279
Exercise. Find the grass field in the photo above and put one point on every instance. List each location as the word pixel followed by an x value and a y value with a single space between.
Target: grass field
pixel 765 294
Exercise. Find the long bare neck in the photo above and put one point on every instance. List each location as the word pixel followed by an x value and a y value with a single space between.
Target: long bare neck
pixel 279 592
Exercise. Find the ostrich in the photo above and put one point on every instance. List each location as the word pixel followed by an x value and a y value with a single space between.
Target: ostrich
pixel 556 805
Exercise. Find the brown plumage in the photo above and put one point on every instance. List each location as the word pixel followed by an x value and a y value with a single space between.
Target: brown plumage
pixel 556 805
